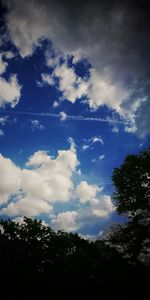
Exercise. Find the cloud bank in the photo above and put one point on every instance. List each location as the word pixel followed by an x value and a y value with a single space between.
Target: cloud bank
pixel 45 181
pixel 113 36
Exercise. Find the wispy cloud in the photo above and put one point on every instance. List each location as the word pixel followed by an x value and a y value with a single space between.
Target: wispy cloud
pixel 100 158
pixel 90 142
pixel 35 125
pixel 1 132
pixel 68 117
pixel 3 120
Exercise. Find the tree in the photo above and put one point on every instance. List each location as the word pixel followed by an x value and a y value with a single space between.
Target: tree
pixel 34 251
pixel 132 198
pixel 132 184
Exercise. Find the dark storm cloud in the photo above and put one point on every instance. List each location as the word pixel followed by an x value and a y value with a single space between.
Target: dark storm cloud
pixel 112 35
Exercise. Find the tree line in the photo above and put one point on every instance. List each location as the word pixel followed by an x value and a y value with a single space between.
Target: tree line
pixel 34 251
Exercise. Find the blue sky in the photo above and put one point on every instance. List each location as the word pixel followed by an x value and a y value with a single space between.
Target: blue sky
pixel 74 101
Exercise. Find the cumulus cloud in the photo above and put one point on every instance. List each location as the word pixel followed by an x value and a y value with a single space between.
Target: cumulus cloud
pixel 46 78
pixel 72 86
pixel 113 37
pixel 100 206
pixel 66 221
pixel 36 189
pixel 10 91
pixel 97 89
pixel 10 179
pixel 27 206
pixel 103 91
pixel 85 191
pixel 3 63
pixel 97 210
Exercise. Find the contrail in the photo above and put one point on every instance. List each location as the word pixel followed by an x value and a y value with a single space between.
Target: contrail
pixel 67 117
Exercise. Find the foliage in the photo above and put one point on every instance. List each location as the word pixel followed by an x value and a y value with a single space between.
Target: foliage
pixel 132 197
pixel 132 184
pixel 33 251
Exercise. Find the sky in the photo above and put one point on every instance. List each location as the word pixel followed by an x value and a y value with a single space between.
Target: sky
pixel 74 102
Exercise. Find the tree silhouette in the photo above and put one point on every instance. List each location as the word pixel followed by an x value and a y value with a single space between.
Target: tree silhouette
pixel 132 198
pixel 33 251
pixel 132 185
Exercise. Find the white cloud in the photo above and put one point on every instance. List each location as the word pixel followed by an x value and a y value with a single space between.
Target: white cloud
pixel 27 24
pixel 97 139
pixel 63 116
pixel 103 91
pixel 101 157
pixel 9 54
pixel 3 63
pixel 46 78
pixel 72 86
pixel 115 129
pixel 1 132
pixel 48 181
pixel 56 174
pixel 89 237
pixel 10 179
pixel 94 139
pixel 85 147
pixel 102 206
pixel 19 220
pixel 66 221
pixel 93 160
pixel 3 120
pixel 35 124
pixel 55 104
pixel 97 210
pixel 52 56
pixel 131 129
pixel 27 206
pixel 9 91
pixel 90 142
pixel 104 41
pixel 85 191
pixel 98 89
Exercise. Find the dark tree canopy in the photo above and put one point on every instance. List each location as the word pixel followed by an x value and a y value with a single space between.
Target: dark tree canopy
pixel 132 184
pixel 132 197
pixel 34 249
pixel 35 252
